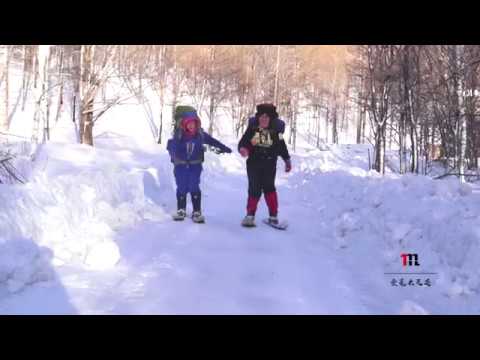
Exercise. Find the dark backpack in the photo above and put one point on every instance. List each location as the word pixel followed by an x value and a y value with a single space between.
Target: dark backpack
pixel 278 124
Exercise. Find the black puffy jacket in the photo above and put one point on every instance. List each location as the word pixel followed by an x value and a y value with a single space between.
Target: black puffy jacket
pixel 270 142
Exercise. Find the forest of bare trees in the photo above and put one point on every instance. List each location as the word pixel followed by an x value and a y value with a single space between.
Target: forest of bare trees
pixel 233 78
pixel 424 99
pixel 420 101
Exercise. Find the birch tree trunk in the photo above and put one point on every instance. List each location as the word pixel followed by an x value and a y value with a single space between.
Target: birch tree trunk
pixel 213 89
pixel 87 96
pixel 277 68
pixel 162 85
pixel 76 108
pixel 48 95
pixel 60 78
pixel 27 69
pixel 175 84
pixel 4 85
pixel 459 49
pixel 39 118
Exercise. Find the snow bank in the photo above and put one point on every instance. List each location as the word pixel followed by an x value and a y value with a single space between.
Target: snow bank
pixel 378 217
pixel 23 263
pixel 75 201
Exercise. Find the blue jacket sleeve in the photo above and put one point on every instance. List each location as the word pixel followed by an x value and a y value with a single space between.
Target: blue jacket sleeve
pixel 209 140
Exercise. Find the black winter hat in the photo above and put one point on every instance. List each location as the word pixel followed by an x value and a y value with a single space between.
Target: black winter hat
pixel 268 109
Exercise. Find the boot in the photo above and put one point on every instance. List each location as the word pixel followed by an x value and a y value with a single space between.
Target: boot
pixel 181 207
pixel 182 202
pixel 273 220
pixel 180 215
pixel 198 217
pixel 196 201
pixel 248 221
pixel 197 207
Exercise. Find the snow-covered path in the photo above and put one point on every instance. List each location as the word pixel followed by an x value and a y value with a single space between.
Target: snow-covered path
pixel 219 267
pixel 347 228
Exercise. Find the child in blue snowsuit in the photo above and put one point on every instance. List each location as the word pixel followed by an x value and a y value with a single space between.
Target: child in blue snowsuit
pixel 187 154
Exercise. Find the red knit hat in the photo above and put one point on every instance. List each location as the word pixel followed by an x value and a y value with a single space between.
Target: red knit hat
pixel 188 119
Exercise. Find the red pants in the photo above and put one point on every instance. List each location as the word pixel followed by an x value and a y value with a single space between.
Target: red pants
pixel 271 199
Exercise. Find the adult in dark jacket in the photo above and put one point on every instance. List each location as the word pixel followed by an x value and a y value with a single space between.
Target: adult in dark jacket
pixel 262 143
pixel 187 154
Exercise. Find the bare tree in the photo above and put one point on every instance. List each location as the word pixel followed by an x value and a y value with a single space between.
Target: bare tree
pixel 39 118
pixel 4 86
pixel 380 70
pixel 96 66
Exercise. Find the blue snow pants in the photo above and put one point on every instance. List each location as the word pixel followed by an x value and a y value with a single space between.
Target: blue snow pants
pixel 187 178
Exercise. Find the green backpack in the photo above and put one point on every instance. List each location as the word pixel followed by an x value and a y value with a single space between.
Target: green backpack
pixel 177 119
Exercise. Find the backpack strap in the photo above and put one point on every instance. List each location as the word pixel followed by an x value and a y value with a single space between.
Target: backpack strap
pixel 179 133
pixel 280 125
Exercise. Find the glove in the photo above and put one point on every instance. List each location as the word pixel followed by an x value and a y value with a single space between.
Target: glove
pixel 223 151
pixel 244 152
pixel 288 165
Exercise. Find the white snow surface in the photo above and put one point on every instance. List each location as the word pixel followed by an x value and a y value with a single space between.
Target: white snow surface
pixel 91 233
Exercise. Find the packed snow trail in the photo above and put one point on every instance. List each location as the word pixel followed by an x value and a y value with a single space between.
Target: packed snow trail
pixel 171 267
pixel 105 213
